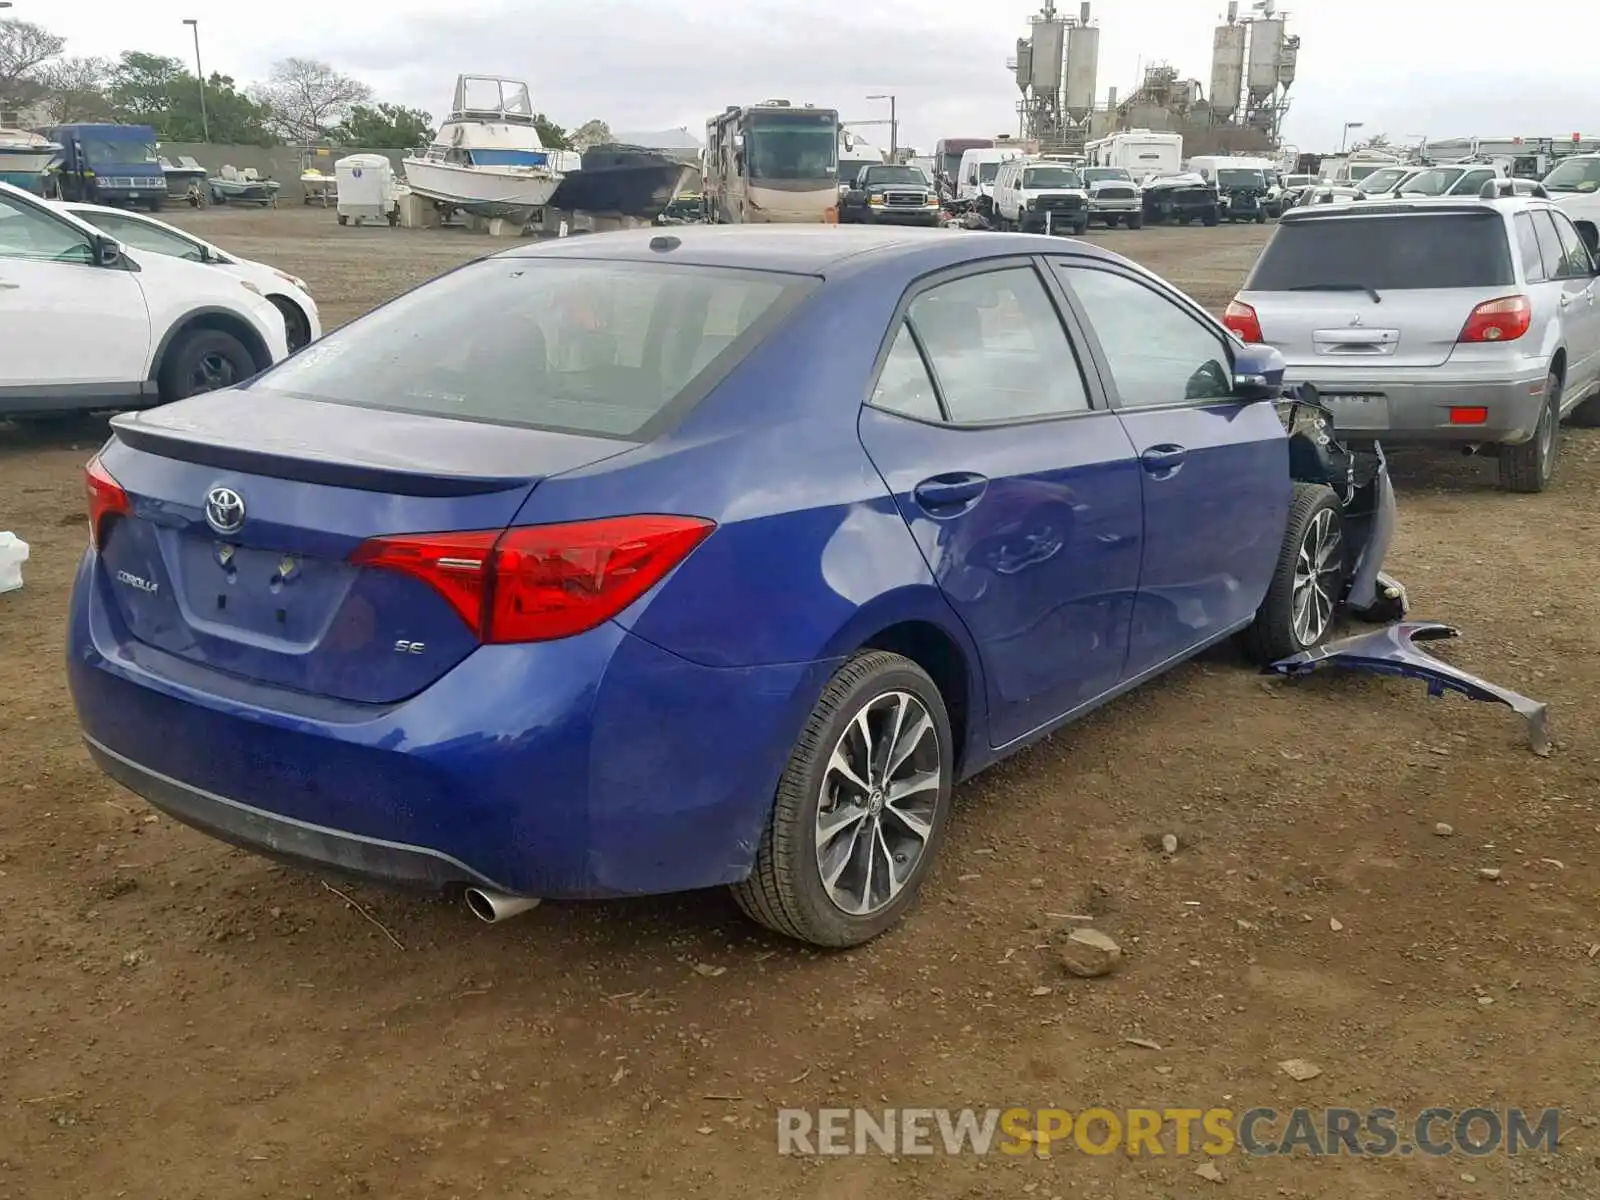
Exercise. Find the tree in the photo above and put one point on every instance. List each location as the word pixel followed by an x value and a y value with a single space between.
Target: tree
pixel 74 89
pixel 24 50
pixel 386 127
pixel 307 98
pixel 1378 141
pixel 591 133
pixel 551 135
pixel 154 90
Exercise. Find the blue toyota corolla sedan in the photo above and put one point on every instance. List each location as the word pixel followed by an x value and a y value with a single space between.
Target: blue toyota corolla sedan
pixel 652 561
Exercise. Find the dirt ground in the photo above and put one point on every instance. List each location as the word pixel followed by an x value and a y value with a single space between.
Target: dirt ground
pixel 182 1021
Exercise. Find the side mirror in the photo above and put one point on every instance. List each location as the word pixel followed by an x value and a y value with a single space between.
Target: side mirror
pixel 1257 373
pixel 107 252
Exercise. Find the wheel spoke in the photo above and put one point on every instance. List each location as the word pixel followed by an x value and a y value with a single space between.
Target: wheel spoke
pixel 838 764
pixel 908 741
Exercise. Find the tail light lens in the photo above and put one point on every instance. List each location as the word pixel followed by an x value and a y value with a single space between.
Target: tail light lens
pixel 1502 320
pixel 106 500
pixel 1242 319
pixel 541 582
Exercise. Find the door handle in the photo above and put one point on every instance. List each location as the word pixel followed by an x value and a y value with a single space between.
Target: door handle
pixel 1163 459
pixel 943 494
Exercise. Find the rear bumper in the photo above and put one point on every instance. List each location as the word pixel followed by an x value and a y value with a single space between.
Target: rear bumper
pixel 1419 403
pixel 599 765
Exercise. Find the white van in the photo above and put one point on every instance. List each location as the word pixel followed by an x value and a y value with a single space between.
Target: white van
pixel 1034 195
pixel 975 183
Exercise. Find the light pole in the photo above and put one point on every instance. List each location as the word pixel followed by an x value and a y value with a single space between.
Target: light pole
pixel 1344 138
pixel 894 124
pixel 205 125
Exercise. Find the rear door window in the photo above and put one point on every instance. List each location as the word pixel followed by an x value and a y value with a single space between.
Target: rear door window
pixel 1528 249
pixel 590 347
pixel 1549 244
pixel 998 349
pixel 1391 252
pixel 1575 261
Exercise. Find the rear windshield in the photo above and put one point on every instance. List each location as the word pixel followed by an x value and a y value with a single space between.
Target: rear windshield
pixel 597 348
pixel 1396 252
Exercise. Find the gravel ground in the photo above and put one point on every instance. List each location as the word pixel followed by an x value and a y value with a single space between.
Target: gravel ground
pixel 181 1020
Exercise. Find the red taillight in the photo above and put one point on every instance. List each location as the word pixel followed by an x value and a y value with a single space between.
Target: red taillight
pixel 1471 414
pixel 1242 319
pixel 1502 320
pixel 106 499
pixel 540 582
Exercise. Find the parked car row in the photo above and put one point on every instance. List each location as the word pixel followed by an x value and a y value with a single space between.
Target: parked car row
pixel 108 308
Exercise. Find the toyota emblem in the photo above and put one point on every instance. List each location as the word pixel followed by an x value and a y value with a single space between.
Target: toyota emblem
pixel 224 510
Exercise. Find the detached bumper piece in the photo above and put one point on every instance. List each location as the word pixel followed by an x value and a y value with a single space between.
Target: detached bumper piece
pixel 1394 651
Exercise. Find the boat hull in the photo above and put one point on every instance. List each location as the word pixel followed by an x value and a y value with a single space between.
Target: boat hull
pixel 633 183
pixel 483 191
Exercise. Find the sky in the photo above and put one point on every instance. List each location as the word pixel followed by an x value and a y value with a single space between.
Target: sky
pixel 1426 69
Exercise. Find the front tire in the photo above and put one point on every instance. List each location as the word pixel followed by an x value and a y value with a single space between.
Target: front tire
pixel 1309 581
pixel 1135 220
pixel 203 360
pixel 860 810
pixel 1530 466
pixel 296 326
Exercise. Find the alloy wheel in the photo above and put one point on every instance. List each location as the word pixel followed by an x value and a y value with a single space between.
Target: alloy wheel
pixel 1316 574
pixel 878 802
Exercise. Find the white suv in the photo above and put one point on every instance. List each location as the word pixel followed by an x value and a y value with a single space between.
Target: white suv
pixel 289 293
pixel 1473 322
pixel 87 323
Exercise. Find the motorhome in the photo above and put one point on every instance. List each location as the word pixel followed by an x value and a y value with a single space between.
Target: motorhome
pixel 1145 154
pixel 773 162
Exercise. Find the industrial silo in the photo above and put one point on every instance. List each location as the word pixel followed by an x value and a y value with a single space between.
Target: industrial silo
pixel 1082 64
pixel 1266 48
pixel 1048 47
pixel 1227 64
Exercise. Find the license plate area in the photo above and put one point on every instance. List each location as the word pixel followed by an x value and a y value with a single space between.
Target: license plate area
pixel 251 594
pixel 1357 410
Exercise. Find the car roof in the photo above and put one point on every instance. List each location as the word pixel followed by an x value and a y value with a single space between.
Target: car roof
pixel 801 249
pixel 1407 206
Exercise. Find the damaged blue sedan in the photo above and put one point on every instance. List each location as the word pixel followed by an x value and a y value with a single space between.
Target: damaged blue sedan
pixel 652 561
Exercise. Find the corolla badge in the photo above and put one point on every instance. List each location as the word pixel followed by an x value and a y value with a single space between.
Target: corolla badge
pixel 224 510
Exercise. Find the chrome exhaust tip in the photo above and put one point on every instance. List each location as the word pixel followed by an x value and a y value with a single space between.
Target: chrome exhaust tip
pixel 497 906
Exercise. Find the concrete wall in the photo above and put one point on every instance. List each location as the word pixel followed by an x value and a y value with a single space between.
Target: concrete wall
pixel 275 162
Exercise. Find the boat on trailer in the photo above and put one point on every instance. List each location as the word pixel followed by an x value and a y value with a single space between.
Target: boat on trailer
pixel 487 159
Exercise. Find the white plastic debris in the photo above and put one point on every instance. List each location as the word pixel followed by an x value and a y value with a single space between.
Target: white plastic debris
pixel 13 553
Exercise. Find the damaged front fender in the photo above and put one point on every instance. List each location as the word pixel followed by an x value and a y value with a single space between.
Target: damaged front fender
pixel 1393 650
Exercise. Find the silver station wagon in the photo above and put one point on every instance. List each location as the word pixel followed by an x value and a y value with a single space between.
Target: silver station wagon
pixel 1468 320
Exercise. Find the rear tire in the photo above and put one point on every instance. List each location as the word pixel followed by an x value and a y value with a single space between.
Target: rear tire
pixel 1307 584
pixel 203 360
pixel 881 693
pixel 1530 466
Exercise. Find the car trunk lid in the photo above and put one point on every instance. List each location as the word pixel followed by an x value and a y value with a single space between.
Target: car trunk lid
pixel 235 550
